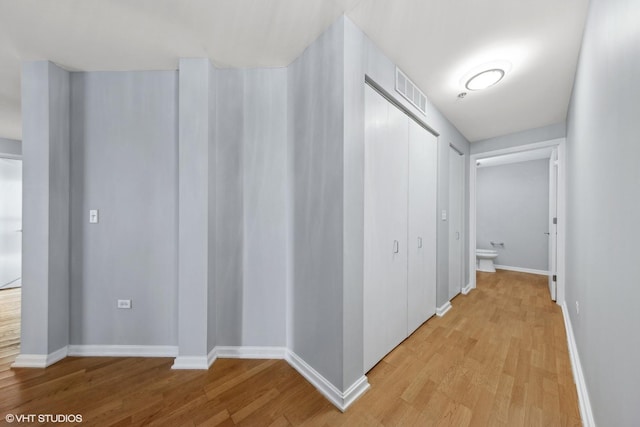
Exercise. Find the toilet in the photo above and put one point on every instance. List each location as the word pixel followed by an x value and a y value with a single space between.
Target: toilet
pixel 485 259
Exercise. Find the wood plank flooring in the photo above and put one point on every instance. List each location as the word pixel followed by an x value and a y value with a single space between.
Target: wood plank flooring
pixel 498 358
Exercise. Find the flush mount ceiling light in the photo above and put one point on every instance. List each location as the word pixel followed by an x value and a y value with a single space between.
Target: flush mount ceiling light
pixel 485 75
pixel 485 79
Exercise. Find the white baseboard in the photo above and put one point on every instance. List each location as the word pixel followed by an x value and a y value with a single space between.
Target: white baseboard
pixel 522 270
pixel 586 412
pixel 123 350
pixel 39 360
pixel 191 362
pixel 211 357
pixel 247 352
pixel 443 309
pixel 341 400
pixel 466 289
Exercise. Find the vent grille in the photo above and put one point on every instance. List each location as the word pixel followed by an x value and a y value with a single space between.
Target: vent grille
pixel 410 92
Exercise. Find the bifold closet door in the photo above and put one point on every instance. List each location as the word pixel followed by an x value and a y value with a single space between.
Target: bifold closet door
pixel 385 227
pixel 423 166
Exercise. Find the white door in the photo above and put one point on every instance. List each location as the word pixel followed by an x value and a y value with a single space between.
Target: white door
pixel 553 226
pixel 456 199
pixel 385 227
pixel 423 153
pixel 10 222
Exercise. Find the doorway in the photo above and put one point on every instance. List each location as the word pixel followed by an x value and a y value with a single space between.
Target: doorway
pixel 553 151
pixel 10 254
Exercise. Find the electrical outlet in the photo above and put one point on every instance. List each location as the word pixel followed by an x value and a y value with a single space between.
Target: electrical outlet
pixel 124 303
pixel 577 307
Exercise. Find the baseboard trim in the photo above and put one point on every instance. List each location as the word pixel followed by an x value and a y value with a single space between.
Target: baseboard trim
pixel 212 357
pixel 522 270
pixel 39 360
pixel 123 350
pixel 341 400
pixel 586 411
pixel 443 309
pixel 242 352
pixel 466 289
pixel 193 362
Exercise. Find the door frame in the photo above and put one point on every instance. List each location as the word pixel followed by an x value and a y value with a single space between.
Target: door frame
pixel 463 160
pixel 560 143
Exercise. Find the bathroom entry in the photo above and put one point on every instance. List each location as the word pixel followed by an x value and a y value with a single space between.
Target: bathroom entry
pixel 544 233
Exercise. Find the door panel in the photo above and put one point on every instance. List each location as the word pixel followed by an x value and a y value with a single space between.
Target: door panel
pixel 456 197
pixel 423 153
pixel 385 227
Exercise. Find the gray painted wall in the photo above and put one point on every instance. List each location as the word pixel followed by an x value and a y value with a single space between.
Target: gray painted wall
pixel 212 294
pixel 193 257
pixel 59 177
pixel 513 207
pixel 529 136
pixel 10 147
pixel 251 249
pixel 229 205
pixel 353 202
pixel 124 140
pixel 45 270
pixel 265 207
pixel 603 208
pixel 316 134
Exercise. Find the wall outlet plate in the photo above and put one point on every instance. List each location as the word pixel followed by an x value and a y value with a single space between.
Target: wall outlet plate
pixel 93 216
pixel 124 303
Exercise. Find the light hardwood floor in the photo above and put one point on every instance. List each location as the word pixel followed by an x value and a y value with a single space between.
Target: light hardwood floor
pixel 499 357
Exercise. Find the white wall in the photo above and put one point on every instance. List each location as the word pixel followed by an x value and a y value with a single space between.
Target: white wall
pixel 603 208
pixel 512 203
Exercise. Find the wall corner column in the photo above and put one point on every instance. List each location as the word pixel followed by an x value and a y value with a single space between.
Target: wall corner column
pixel 195 351
pixel 46 162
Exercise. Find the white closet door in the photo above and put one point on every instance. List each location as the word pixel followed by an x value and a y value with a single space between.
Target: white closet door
pixel 385 227
pixel 422 226
pixel 456 186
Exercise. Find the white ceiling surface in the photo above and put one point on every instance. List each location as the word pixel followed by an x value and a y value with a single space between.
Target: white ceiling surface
pixel 434 42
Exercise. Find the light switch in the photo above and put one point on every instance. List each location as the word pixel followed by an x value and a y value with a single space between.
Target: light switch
pixel 444 215
pixel 93 216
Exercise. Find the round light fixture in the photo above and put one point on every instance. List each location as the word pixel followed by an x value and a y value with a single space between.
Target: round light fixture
pixel 485 79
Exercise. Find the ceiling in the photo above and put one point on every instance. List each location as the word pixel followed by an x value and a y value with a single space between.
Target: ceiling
pixel 434 42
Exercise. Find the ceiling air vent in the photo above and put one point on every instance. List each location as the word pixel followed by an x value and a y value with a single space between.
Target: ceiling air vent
pixel 410 91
